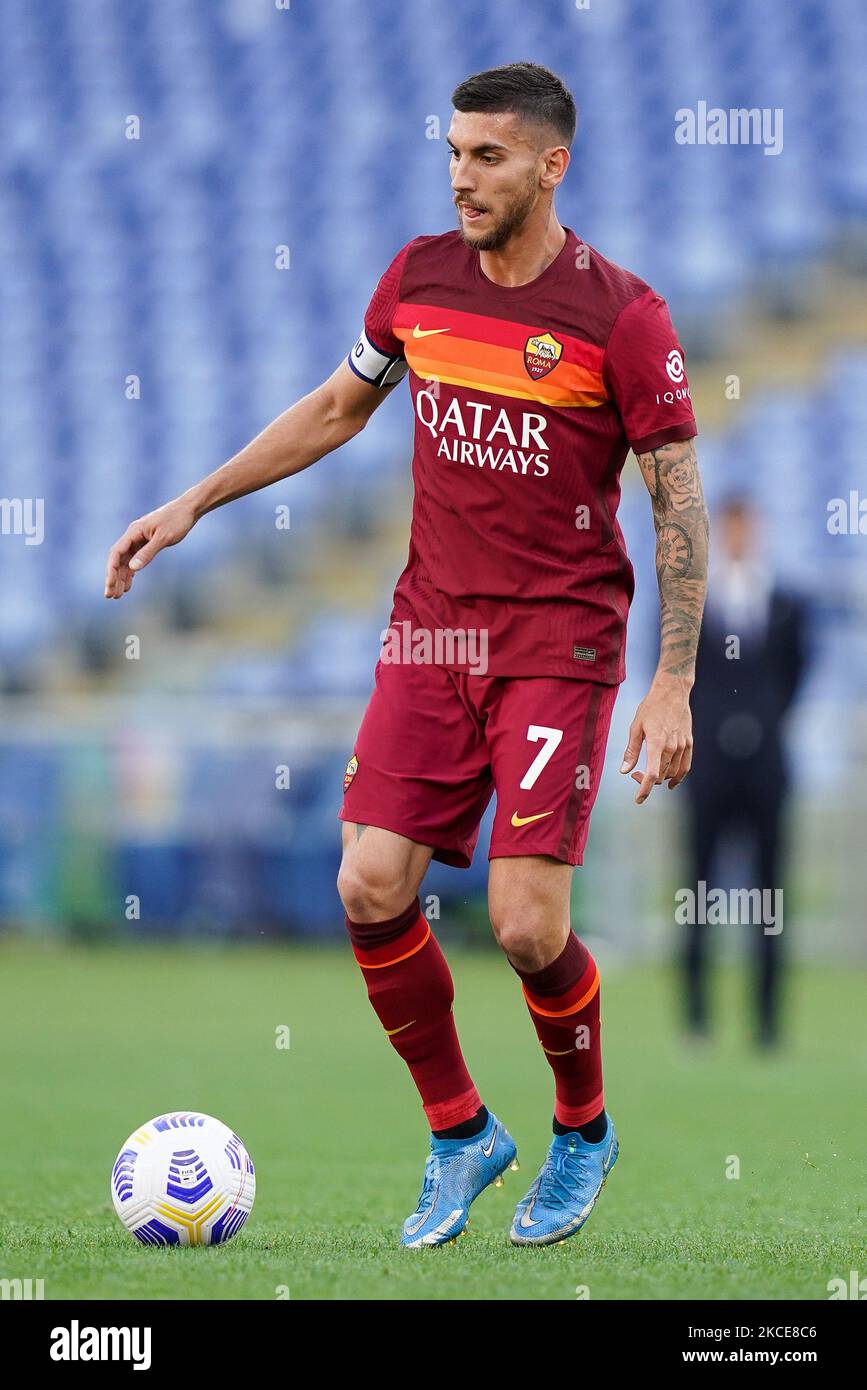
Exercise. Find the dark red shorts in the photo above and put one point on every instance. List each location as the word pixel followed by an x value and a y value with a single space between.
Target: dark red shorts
pixel 434 745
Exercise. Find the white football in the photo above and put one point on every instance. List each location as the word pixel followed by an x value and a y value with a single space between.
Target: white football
pixel 183 1179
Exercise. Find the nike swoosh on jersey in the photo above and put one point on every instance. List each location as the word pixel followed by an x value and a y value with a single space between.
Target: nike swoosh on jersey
pixel 390 1032
pixel 419 332
pixel 518 821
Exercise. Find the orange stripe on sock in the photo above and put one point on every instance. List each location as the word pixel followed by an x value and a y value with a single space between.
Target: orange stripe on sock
pixel 368 959
pixel 445 1113
pixel 578 1114
pixel 573 1008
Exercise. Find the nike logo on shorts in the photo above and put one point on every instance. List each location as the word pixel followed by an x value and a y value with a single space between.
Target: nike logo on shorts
pixel 518 821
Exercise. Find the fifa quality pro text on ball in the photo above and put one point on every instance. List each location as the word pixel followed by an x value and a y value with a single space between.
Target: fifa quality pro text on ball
pixel 183 1179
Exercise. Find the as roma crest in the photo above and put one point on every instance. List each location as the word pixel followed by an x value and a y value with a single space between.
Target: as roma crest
pixel 351 769
pixel 542 352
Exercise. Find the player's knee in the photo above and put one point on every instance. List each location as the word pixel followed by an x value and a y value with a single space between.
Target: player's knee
pixel 370 889
pixel 521 932
pixel 516 930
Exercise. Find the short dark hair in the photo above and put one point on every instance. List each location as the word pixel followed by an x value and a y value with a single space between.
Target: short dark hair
pixel 528 89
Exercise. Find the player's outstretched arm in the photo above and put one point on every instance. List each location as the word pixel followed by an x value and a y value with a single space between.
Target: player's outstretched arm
pixel 663 719
pixel 313 427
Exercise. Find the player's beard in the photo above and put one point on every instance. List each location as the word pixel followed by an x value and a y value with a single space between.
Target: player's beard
pixel 511 221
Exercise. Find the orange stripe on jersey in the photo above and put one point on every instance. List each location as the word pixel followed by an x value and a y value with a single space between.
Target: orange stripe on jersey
pixel 490 364
pixel 496 384
pixel 575 999
pixel 488 354
pixel 484 328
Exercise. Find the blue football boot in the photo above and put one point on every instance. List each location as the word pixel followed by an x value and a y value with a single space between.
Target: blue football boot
pixel 457 1170
pixel 565 1191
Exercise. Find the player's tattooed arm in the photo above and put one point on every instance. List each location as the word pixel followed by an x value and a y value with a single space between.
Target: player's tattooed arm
pixel 680 516
pixel 663 720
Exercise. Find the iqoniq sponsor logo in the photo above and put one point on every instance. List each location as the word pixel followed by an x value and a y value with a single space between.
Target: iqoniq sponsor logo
pixel 675 371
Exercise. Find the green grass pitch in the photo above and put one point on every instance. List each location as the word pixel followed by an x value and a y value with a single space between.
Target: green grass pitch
pixel 96 1041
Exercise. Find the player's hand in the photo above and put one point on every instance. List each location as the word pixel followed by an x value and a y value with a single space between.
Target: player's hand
pixel 142 540
pixel 663 721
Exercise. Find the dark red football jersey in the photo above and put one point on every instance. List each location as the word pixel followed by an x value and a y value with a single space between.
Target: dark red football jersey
pixel 527 400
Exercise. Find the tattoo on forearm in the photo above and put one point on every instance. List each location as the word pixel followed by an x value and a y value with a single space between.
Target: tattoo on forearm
pixel 675 547
pixel 682 532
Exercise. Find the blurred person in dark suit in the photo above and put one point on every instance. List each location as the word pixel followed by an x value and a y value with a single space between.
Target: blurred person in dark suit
pixel 751 657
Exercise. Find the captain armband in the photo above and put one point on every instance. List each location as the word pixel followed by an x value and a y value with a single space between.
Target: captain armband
pixel 374 366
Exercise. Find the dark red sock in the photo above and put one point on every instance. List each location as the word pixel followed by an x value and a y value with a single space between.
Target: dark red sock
pixel 563 999
pixel 410 987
